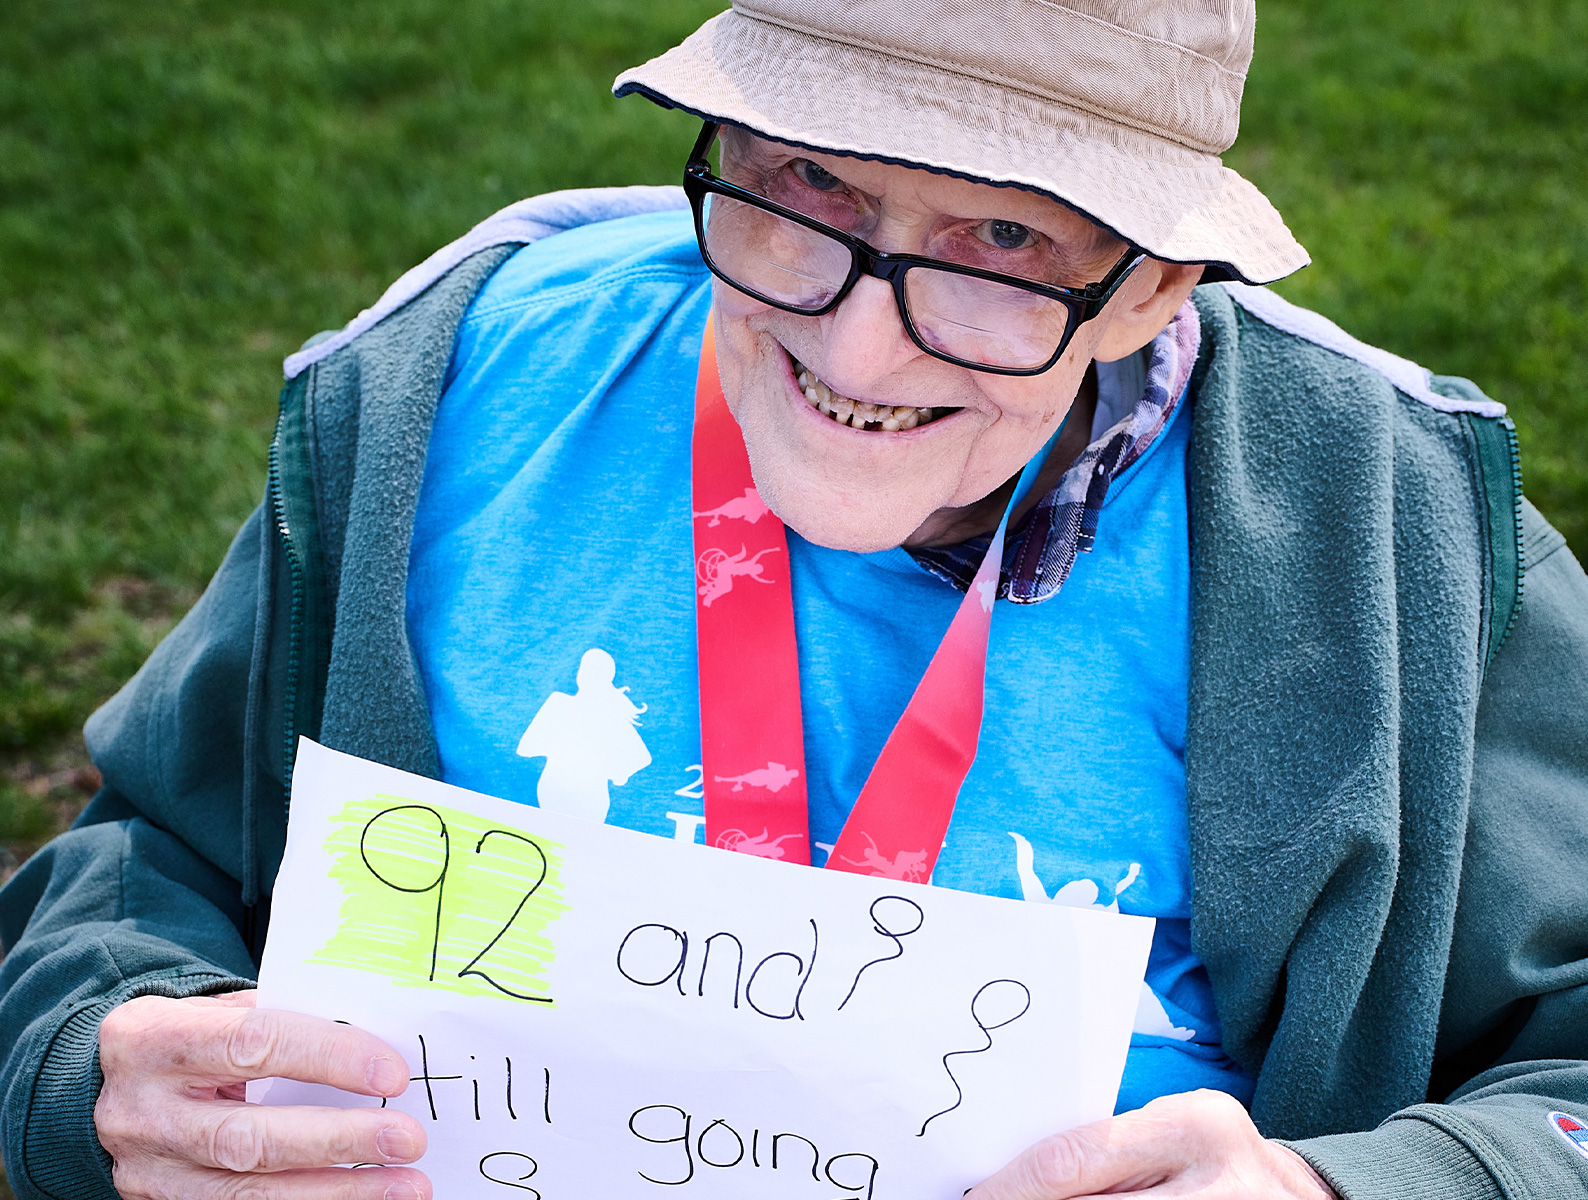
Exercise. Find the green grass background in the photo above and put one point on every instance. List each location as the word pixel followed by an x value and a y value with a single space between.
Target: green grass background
pixel 188 188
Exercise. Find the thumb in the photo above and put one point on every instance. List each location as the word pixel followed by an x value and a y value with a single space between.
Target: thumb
pixel 1097 1158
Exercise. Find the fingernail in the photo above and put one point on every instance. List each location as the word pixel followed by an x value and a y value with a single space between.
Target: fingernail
pixel 402 1191
pixel 396 1144
pixel 385 1077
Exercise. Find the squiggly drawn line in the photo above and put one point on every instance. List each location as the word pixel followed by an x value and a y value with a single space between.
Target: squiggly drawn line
pixel 895 936
pixel 520 1185
pixel 959 1092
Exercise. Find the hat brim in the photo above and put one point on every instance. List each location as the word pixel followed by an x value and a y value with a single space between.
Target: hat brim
pixel 1177 203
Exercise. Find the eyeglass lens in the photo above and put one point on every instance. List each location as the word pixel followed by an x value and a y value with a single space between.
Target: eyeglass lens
pixel 961 316
pixel 772 256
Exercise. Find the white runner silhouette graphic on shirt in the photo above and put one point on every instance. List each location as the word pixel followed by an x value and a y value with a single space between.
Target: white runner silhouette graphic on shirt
pixel 588 740
pixel 1151 1016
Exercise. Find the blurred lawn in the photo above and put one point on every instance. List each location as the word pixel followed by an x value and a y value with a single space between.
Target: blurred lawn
pixel 189 188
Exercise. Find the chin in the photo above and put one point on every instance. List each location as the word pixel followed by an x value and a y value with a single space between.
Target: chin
pixel 838 518
pixel 836 536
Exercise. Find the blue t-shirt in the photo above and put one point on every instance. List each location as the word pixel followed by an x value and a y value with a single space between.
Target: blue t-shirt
pixel 551 608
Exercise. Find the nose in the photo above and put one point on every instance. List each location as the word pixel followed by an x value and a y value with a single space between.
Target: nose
pixel 864 338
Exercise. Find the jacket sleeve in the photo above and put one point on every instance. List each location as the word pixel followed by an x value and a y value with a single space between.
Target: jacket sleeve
pixel 1514 1021
pixel 142 895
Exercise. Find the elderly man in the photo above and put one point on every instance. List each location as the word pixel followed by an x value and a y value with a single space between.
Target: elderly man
pixel 1264 671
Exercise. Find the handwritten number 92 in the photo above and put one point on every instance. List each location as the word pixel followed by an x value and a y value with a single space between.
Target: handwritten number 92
pixel 414 854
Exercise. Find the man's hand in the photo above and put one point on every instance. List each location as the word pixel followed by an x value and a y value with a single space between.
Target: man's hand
pixel 172 1116
pixel 1198 1145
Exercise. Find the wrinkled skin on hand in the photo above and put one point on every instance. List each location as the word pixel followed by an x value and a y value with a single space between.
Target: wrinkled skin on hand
pixel 171 1113
pixel 1194 1146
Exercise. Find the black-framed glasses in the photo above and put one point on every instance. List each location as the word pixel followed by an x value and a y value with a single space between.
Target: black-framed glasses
pixel 975 318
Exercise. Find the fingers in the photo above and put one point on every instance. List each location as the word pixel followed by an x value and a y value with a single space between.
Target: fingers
pixel 171 1116
pixel 229 1042
pixel 252 1137
pixel 233 1136
pixel 260 1043
pixel 366 1183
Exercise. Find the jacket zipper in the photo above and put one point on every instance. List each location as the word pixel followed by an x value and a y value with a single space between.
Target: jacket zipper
pixel 1516 517
pixel 295 640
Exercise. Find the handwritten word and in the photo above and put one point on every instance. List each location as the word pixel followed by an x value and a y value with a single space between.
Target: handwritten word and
pixel 655 955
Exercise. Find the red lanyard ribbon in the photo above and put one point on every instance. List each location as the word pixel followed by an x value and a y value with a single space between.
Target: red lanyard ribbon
pixel 752 739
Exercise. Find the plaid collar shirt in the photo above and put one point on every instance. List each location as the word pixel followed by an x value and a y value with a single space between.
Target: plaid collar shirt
pixel 1041 550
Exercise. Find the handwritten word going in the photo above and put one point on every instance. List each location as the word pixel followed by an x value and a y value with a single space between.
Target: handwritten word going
pixel 720 1146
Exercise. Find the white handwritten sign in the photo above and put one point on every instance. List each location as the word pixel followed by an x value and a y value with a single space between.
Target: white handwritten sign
pixel 591 1012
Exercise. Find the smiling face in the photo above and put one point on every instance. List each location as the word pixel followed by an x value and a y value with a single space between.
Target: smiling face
pixel 872 487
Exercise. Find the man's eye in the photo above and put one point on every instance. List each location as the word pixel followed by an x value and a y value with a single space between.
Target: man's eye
pixel 1008 235
pixel 819 178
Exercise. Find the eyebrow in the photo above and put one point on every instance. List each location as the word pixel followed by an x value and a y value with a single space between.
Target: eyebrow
pixel 1098 242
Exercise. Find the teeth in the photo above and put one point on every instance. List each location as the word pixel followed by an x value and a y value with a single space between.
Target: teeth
pixel 859 414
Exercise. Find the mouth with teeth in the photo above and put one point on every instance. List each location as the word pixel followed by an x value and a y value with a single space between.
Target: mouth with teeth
pixel 858 414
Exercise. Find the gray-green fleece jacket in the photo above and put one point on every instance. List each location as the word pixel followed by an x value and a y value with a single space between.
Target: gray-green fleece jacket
pixel 1387 760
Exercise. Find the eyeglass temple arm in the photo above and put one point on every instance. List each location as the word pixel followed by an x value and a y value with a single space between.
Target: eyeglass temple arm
pixel 703 144
pixel 1102 292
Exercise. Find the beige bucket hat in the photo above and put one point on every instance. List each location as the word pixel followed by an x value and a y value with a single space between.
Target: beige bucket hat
pixel 1119 108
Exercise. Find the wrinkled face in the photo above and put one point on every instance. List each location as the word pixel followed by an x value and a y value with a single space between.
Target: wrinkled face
pixel 872 487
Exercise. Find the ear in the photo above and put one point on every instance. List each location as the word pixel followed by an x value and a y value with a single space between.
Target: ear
pixel 1144 306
